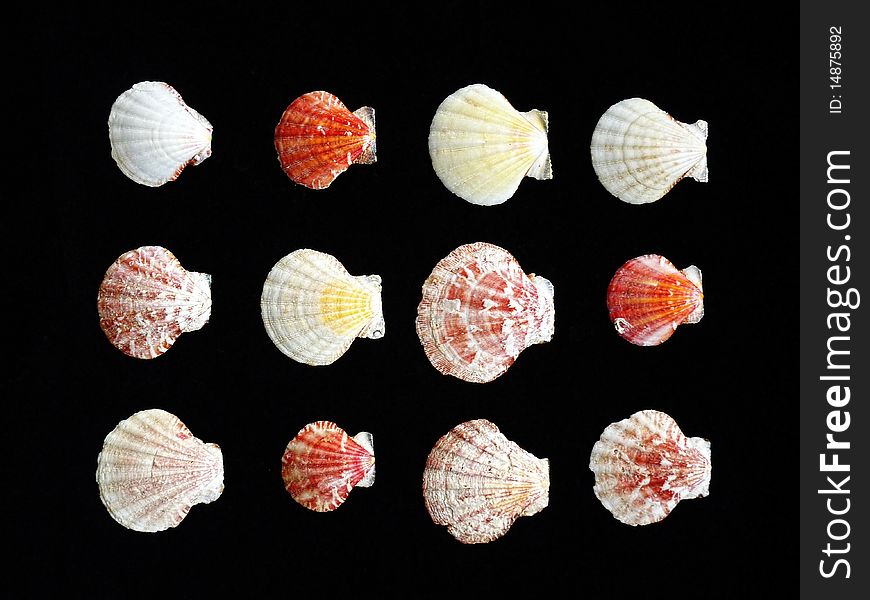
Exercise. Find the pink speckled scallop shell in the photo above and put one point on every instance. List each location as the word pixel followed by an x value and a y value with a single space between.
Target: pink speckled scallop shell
pixel 648 298
pixel 318 138
pixel 147 299
pixel 477 482
pixel 645 465
pixel 480 310
pixel 322 464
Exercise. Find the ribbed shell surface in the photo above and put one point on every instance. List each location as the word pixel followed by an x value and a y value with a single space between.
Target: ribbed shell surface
pixel 147 299
pixel 481 147
pixel 151 470
pixel 154 135
pixel 322 464
pixel 645 465
pixel 313 309
pixel 648 298
pixel 640 152
pixel 318 138
pixel 480 310
pixel 477 482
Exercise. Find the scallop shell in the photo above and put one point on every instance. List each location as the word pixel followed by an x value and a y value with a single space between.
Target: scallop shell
pixel 318 138
pixel 645 465
pixel 477 482
pixel 322 464
pixel 154 134
pixel 482 147
pixel 640 152
pixel 648 298
pixel 151 470
pixel 313 309
pixel 479 311
pixel 147 299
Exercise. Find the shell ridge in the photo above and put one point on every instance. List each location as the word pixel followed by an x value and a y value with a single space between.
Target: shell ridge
pixel 483 179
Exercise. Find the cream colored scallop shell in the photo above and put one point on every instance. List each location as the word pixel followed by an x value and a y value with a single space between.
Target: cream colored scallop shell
pixel 477 482
pixel 151 470
pixel 482 147
pixel 313 309
pixel 154 134
pixel 640 152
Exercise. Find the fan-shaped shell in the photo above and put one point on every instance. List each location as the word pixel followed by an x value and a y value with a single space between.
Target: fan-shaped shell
pixel 482 147
pixel 645 465
pixel 322 464
pixel 313 309
pixel 318 138
pixel 154 134
pixel 480 310
pixel 151 470
pixel 477 482
pixel 640 152
pixel 648 298
pixel 147 299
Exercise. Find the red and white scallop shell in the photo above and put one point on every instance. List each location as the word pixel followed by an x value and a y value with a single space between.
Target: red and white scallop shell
pixel 155 135
pixel 645 465
pixel 322 464
pixel 480 310
pixel 152 470
pixel 477 482
pixel 318 138
pixel 147 299
pixel 648 298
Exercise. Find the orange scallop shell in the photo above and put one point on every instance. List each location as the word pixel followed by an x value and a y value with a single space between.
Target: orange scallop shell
pixel 648 298
pixel 318 138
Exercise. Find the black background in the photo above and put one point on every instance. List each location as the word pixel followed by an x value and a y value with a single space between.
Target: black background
pixel 729 378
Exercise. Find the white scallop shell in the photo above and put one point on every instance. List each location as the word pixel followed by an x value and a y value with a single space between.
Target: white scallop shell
pixel 313 309
pixel 640 152
pixel 482 147
pixel 154 134
pixel 151 470
pixel 477 482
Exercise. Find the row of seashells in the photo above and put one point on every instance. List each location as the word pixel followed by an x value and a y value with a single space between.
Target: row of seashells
pixel 478 311
pixel 476 482
pixel 481 146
